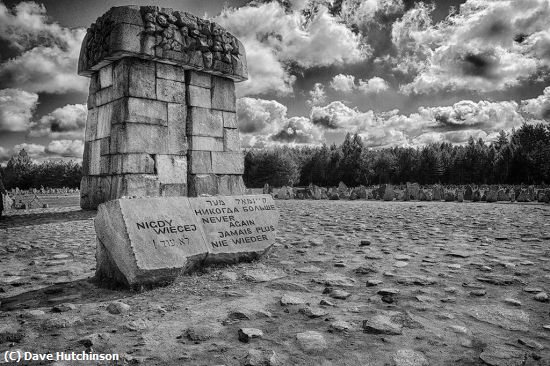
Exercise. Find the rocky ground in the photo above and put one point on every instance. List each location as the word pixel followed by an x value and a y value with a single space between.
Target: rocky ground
pixel 348 283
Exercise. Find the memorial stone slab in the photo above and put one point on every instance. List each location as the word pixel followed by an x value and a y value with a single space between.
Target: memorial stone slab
pixel 150 241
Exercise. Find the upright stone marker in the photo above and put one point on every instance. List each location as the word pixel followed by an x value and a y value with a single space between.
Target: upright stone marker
pixel 150 241
pixel 162 116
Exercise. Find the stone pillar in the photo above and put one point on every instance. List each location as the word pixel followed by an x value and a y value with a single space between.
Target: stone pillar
pixel 161 106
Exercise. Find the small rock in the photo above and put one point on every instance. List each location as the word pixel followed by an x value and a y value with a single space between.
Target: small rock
pixel 118 307
pixel 61 308
pixel 229 275
pixel 341 326
pixel 326 303
pixel 203 332
pixel 531 344
pixel 450 290
pixel 542 297
pixel 512 302
pixel 311 341
pixel 400 264
pixel 33 313
pixel 364 270
pixel 10 331
pixel 382 324
pixel 364 243
pixel 246 334
pixel 532 289
pixel 313 312
pixel 371 283
pixel 335 279
pixel 257 357
pixel 478 293
pixel 339 294
pixel 459 329
pixel 310 269
pixel 401 257
pixel 287 299
pixel 388 291
pixel 408 357
pixel 502 355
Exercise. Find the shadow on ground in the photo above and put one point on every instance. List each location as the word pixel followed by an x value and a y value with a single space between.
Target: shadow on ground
pixel 15 219
pixel 75 292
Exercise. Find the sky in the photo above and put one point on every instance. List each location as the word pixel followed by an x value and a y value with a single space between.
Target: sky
pixel 396 72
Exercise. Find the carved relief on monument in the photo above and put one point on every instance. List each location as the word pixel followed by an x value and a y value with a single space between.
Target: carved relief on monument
pixel 160 33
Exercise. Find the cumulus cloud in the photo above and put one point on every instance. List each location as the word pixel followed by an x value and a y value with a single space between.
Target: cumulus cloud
pixel 265 122
pixel 485 46
pixel 56 149
pixel 346 84
pixel 538 108
pixel 16 109
pixel 337 115
pixel 317 95
pixel 66 148
pixel 48 55
pixel 360 12
pixel 374 85
pixel 454 123
pixel 68 121
pixel 275 37
pixel 5 154
pixel 343 83
pixel 33 150
pixel 299 130
pixel 260 115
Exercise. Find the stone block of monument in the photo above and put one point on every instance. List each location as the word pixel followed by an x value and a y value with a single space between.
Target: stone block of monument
pixel 161 97
pixel 147 241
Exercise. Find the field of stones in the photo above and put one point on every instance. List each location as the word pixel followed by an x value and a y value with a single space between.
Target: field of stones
pixel 362 282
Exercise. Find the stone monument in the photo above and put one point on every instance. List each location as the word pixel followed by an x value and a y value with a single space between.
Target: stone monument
pixel 150 241
pixel 161 106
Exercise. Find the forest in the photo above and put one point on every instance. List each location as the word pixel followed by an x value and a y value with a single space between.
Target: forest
pixel 22 172
pixel 519 157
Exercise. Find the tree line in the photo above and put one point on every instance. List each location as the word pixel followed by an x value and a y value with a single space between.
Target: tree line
pixel 21 172
pixel 522 156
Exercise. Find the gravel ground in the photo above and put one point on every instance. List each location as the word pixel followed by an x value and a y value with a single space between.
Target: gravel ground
pixel 347 283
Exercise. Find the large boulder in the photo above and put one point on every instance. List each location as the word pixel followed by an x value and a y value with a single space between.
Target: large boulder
pixel 523 196
pixel 343 191
pixel 468 193
pixel 502 195
pixel 460 195
pixel 285 193
pixel 450 196
pixel 358 193
pixel 476 195
pixel 492 195
pixel 438 193
pixel 389 194
pixel 412 192
pixel 425 195
pixel 333 194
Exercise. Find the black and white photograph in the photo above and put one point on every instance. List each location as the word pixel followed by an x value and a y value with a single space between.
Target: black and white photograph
pixel 275 182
